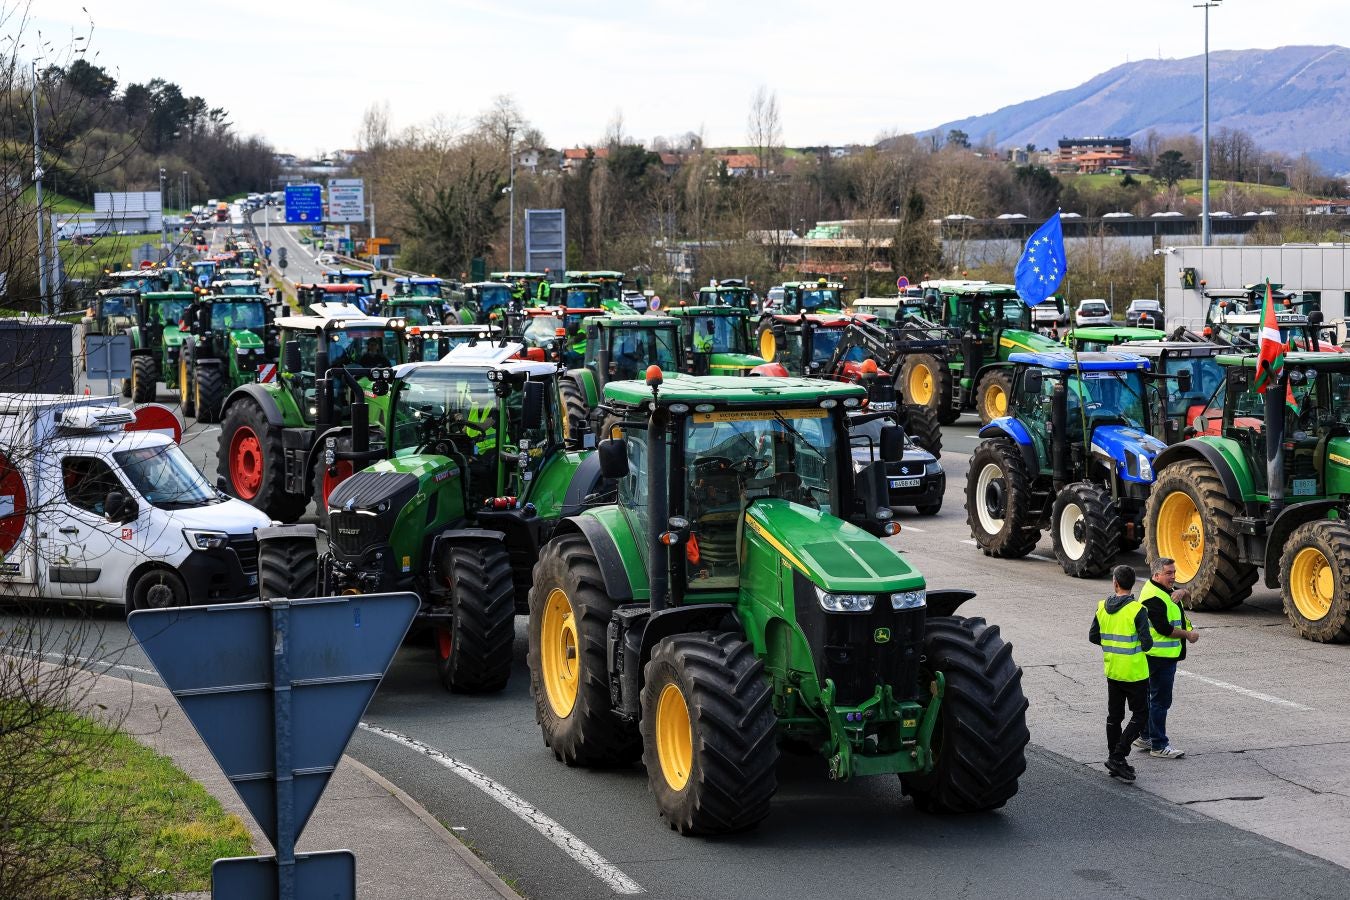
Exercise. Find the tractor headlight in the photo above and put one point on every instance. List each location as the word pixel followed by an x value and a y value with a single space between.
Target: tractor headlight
pixel 1145 468
pixel 910 599
pixel 845 602
pixel 205 540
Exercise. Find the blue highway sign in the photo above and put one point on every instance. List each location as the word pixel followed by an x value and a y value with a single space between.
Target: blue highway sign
pixel 304 203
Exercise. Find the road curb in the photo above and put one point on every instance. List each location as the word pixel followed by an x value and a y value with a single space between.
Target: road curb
pixel 470 858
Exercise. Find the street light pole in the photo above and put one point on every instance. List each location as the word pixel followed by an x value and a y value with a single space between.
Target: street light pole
pixel 511 189
pixel 163 228
pixel 37 196
pixel 1205 236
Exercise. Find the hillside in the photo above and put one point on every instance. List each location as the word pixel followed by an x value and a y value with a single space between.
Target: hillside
pixel 1290 99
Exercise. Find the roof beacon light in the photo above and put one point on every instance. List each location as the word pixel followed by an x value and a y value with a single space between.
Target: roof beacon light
pixel 654 378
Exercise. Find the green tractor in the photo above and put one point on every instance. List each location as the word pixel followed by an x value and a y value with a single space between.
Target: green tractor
pixel 717 339
pixel 270 428
pixel 148 280
pixel 491 302
pixel 729 602
pixel 532 288
pixel 1269 491
pixel 232 338
pixel 820 297
pixel 993 323
pixel 470 483
pixel 428 343
pixel 609 282
pixel 618 348
pixel 586 295
pixel 1099 338
pixel 727 292
pixel 156 341
pixel 1074 453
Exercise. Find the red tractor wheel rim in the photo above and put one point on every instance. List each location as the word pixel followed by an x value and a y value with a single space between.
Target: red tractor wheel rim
pixel 444 642
pixel 246 463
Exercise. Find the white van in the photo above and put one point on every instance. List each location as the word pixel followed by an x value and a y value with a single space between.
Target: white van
pixel 92 511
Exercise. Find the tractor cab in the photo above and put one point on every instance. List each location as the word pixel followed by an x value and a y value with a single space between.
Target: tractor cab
pixel 586 295
pixel 237 273
pixel 336 336
pixel 609 282
pixel 1187 386
pixel 1098 338
pixel 142 280
pixel 891 311
pixel 728 292
pixel 618 348
pixel 717 339
pixel 812 297
pixel 413 310
pixel 232 286
pixel 490 301
pixel 531 287
pixel 804 344
pixel 429 343
pixel 558 332
pixel 203 272
pixel 418 287
pixel 112 311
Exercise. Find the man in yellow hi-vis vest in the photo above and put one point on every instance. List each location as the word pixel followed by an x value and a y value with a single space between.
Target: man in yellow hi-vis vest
pixel 1172 631
pixel 1121 629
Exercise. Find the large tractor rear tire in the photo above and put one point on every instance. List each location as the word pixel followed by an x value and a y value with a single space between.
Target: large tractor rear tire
pixel 926 380
pixel 709 737
pixel 924 429
pixel 1189 518
pixel 569 621
pixel 209 393
pixel 288 567
pixel 144 374
pixel 998 501
pixel 186 396
pixel 981 736
pixel 251 460
pixel 574 410
pixel 1086 528
pixel 1315 572
pixel 473 655
pixel 993 394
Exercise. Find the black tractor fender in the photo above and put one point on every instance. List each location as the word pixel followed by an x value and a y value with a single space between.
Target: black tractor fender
pixel 1200 450
pixel 684 620
pixel 944 601
pixel 260 396
pixel 606 554
pixel 463 536
pixel 1290 518
pixel 586 480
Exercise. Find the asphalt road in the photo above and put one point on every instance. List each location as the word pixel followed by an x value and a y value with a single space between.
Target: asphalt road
pixel 1257 809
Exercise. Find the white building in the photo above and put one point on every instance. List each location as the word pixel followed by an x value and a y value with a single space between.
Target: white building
pixel 1322 270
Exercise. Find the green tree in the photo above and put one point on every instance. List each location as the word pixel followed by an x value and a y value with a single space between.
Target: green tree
pixel 1171 167
pixel 958 138
pixel 90 81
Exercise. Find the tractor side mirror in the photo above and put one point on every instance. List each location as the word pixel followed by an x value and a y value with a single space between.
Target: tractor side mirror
pixel 384 279
pixel 892 443
pixel 1032 381
pixel 613 458
pixel 1184 381
pixel 292 358
pixel 532 409
pixel 1316 318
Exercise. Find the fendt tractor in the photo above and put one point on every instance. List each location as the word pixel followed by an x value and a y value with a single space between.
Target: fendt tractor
pixel 1217 511
pixel 269 429
pixel 992 322
pixel 618 348
pixel 1074 453
pixel 470 483
pixel 233 337
pixel 608 281
pixel 717 339
pixel 490 302
pixel 729 601
pixel 155 341
pixel 819 297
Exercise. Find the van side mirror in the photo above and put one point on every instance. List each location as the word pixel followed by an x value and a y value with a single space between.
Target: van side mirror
pixel 613 454
pixel 292 356
pixel 892 443
pixel 532 409
pixel 117 507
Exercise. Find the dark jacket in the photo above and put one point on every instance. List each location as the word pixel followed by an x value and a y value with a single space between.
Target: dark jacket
pixel 1113 605
pixel 1157 616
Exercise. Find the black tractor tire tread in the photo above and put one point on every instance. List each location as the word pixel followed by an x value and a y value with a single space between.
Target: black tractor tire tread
pixel 482 599
pixel 1226 582
pixel 1004 378
pixel 1332 537
pixel 730 702
pixel 1102 524
pixel 575 411
pixel 144 374
pixel 593 735
pixel 924 428
pixel 1019 535
pixel 981 736
pixel 272 497
pixel 288 567
pixel 209 382
pixel 941 401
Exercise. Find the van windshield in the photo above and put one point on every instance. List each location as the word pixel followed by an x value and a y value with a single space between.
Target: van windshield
pixel 165 478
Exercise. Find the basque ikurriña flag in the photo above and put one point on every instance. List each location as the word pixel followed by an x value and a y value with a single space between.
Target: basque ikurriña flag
pixel 1042 265
pixel 1271 360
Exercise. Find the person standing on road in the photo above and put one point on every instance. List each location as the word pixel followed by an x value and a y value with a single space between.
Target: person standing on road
pixel 1171 632
pixel 1120 628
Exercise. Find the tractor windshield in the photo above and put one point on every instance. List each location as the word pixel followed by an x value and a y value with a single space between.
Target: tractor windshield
pixel 632 350
pixel 542 331
pixel 114 305
pixel 819 298
pixel 167 312
pixel 165 478
pixel 240 289
pixel 734 458
pixel 362 279
pixel 582 298
pixel 421 289
pixel 364 348
pixel 719 334
pixel 1206 376
pixel 493 297
pixel 1106 396
pixel 233 315
pixel 414 313
pixel 823 344
pixel 143 283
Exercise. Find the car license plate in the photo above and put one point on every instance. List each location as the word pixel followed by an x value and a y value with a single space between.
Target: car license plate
pixel 904 482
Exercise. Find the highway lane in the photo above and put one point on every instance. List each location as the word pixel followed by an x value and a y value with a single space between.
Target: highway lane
pixel 1262 714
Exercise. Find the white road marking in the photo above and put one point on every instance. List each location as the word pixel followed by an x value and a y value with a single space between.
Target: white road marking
pixel 904 528
pixel 581 852
pixel 1247 692
pixel 971 437
pixel 1041 558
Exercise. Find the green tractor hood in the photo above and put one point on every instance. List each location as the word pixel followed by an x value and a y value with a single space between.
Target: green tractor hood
pixel 836 556
pixel 732 363
pixel 1015 340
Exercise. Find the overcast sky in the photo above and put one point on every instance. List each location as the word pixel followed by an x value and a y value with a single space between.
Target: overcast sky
pixel 300 74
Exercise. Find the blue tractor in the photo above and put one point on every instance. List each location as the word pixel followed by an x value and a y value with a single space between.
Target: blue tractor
pixel 1074 454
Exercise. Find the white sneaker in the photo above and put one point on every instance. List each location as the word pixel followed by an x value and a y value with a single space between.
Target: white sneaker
pixel 1143 743
pixel 1168 752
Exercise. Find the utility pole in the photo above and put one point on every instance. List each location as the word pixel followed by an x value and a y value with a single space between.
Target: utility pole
pixel 37 189
pixel 163 226
pixel 1205 236
pixel 511 189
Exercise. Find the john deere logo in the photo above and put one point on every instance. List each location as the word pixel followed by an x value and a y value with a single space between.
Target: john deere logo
pixel 882 636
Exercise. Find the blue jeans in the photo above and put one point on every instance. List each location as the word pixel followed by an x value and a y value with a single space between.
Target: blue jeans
pixel 1161 675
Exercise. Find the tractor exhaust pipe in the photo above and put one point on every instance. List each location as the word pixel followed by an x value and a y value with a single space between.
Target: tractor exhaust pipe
pixel 1059 435
pixel 658 509
pixel 323 394
pixel 1274 411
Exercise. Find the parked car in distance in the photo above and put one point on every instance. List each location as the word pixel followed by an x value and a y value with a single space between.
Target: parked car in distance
pixel 1092 312
pixel 1144 307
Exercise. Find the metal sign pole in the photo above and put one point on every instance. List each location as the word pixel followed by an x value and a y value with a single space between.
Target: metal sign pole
pixel 282 768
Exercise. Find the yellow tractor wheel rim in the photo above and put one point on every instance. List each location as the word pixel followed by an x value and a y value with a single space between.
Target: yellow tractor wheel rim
pixel 1312 583
pixel 920 385
pixel 182 378
pixel 1181 534
pixel 995 401
pixel 558 653
pixel 768 346
pixel 674 739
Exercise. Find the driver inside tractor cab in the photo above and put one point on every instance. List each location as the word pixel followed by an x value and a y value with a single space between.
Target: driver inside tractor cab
pixel 719 334
pixel 582 299
pixel 1102 396
pixel 819 298
pixel 169 312
pixel 734 459
pixel 351 348
pixel 636 349
pixel 232 315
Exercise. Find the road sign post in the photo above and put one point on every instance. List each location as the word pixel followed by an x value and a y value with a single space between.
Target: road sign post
pixel 275 690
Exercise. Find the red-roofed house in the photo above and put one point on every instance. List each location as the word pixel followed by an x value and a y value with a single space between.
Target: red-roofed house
pixel 740 164
pixel 573 157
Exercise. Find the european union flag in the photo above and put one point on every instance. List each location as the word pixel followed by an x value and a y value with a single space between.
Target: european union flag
pixel 1042 265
